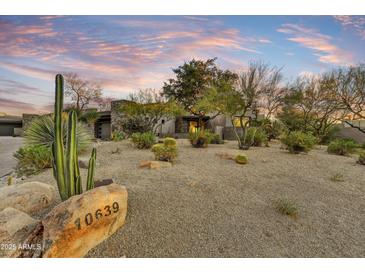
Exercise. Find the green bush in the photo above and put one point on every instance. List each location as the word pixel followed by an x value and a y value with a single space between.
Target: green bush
pixel 363 145
pixel 329 135
pixel 198 139
pixel 241 159
pixel 342 147
pixel 273 129
pixel 362 158
pixel 213 138
pixel 40 132
pixel 255 136
pixel 297 141
pixel 169 141
pixel 32 159
pixel 164 152
pixel 117 136
pixel 143 140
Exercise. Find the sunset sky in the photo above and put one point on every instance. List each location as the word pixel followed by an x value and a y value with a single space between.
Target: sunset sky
pixel 126 53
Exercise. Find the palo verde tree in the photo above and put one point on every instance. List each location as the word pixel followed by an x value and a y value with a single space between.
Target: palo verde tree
pixel 196 87
pixel 254 86
pixel 144 110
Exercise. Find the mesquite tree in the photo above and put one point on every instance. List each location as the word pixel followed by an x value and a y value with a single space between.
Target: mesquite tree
pixel 195 87
pixel 349 85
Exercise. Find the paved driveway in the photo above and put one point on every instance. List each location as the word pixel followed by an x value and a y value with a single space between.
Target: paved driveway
pixel 8 145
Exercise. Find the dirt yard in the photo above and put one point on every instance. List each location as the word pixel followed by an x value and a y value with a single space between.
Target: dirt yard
pixel 205 206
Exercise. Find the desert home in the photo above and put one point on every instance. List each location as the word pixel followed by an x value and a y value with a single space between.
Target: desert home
pixel 179 127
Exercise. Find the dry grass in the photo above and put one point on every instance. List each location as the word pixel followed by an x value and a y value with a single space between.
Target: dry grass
pixel 287 207
pixel 337 177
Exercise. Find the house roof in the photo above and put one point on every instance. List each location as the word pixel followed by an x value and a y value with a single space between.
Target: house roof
pixel 10 119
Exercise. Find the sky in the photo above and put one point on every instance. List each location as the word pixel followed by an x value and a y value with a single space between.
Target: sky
pixel 126 53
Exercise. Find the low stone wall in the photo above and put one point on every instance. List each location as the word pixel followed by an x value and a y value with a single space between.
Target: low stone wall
pixel 116 115
pixel 228 133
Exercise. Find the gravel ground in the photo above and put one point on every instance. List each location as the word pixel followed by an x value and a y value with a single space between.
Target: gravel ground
pixel 8 145
pixel 205 206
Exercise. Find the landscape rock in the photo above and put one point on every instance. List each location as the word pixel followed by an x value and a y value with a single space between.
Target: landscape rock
pixel 84 162
pixel 225 156
pixel 28 197
pixel 15 227
pixel 154 164
pixel 80 223
pixel 103 182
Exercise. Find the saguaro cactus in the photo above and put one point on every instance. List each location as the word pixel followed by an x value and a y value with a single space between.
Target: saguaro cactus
pixel 65 161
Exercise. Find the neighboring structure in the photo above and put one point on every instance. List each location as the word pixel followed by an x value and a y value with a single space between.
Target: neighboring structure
pixel 10 125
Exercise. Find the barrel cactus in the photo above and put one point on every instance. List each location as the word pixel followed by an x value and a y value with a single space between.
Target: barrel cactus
pixel 241 159
pixel 65 159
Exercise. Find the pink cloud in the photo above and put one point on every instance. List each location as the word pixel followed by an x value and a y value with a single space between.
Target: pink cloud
pixel 355 23
pixel 321 44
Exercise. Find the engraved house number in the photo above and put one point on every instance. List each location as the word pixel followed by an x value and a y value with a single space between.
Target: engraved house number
pixel 89 217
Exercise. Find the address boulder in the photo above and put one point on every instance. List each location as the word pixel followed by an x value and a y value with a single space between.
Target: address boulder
pixel 80 223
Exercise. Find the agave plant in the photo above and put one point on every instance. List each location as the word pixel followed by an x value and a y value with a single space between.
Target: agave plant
pixel 65 159
pixel 41 132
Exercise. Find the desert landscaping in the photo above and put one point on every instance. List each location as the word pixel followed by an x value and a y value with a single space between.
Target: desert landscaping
pixel 206 206
pixel 216 164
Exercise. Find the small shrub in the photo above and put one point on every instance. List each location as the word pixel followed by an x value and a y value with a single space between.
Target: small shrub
pixel 297 141
pixel 338 177
pixel 329 135
pixel 213 138
pixel 118 136
pixel 363 145
pixel 273 129
pixel 10 180
pixel 32 159
pixel 255 137
pixel 342 147
pixel 362 158
pixel 169 141
pixel 198 139
pixel 164 152
pixel 287 207
pixel 241 159
pixel 143 140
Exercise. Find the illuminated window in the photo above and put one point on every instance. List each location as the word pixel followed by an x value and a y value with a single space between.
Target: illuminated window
pixel 193 126
pixel 237 122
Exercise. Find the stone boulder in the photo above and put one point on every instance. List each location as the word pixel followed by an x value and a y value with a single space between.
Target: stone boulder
pixel 80 223
pixel 15 227
pixel 28 197
pixel 154 164
pixel 84 162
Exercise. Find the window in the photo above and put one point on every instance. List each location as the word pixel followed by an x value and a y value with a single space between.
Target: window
pixel 193 126
pixel 237 123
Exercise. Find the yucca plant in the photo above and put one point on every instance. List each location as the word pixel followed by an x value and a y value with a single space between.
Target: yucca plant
pixel 65 160
pixel 40 132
